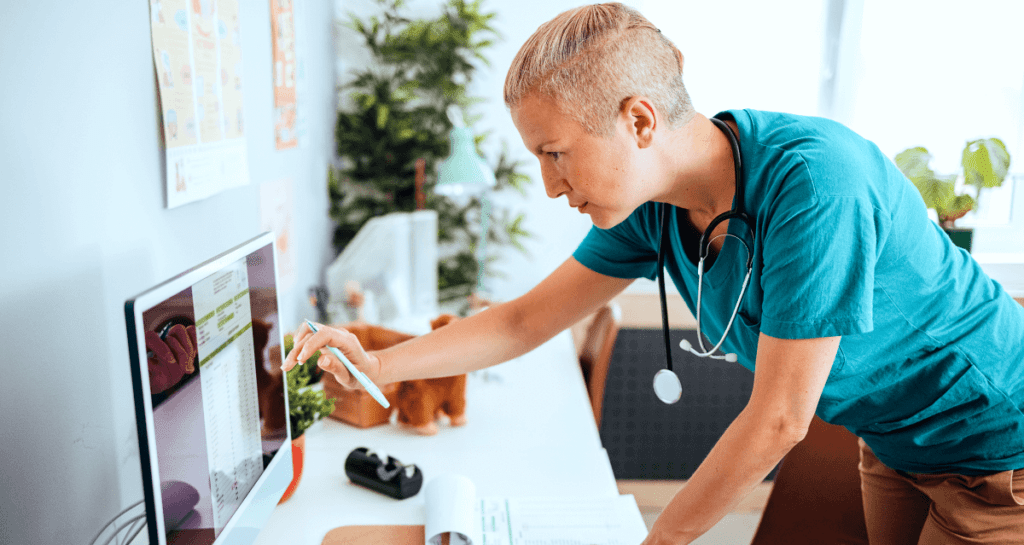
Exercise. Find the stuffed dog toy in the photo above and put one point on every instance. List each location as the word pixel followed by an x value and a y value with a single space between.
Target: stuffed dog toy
pixel 421 402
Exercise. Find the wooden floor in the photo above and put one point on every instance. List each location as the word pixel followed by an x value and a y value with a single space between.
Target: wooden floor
pixel 736 528
pixel 655 495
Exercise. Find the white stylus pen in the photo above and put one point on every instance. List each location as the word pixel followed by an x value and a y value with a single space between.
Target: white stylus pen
pixel 366 382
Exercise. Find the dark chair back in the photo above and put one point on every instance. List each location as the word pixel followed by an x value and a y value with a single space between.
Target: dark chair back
pixel 816 497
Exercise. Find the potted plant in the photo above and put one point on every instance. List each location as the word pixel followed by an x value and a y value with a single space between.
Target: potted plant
pixel 984 163
pixel 306 405
pixel 395 115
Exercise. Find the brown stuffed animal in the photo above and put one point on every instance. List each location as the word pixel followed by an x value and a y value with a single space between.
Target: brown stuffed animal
pixel 420 402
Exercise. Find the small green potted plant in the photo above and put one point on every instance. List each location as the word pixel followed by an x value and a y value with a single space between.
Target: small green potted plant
pixel 306 406
pixel 984 163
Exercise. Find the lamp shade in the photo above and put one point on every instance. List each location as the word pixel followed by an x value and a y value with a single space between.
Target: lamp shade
pixel 464 173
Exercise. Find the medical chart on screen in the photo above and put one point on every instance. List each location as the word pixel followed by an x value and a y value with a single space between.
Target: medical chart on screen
pixel 198 57
pixel 228 378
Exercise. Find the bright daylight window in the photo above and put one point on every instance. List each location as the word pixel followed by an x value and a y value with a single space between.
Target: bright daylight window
pixel 749 54
pixel 937 74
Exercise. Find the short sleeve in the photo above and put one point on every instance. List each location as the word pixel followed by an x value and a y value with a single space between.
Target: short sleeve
pixel 819 260
pixel 624 251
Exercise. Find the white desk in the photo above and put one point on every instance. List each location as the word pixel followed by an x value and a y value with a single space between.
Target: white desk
pixel 532 434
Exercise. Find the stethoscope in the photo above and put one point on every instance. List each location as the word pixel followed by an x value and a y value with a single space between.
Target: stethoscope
pixel 666 383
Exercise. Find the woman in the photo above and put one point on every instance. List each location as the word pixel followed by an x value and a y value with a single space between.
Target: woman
pixel 858 308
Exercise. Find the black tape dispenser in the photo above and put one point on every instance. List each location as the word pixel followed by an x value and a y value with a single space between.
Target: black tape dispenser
pixel 383 474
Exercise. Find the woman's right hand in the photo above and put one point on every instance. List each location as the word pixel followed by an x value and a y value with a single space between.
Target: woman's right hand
pixel 172 357
pixel 307 343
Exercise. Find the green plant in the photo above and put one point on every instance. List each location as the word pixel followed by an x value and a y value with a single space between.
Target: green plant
pixel 398 113
pixel 305 404
pixel 984 163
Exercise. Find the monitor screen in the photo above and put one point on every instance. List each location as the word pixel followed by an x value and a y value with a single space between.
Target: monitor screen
pixel 212 392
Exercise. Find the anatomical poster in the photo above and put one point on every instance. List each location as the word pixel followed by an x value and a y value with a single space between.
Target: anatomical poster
pixel 198 57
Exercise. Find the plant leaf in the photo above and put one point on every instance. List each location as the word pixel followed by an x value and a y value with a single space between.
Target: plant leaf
pixel 957 207
pixel 913 163
pixel 985 163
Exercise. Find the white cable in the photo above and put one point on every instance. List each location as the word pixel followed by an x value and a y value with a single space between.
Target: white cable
pixel 125 528
pixel 130 527
pixel 136 532
pixel 115 538
pixel 113 521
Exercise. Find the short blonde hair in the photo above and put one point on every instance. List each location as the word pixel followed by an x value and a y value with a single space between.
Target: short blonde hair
pixel 591 58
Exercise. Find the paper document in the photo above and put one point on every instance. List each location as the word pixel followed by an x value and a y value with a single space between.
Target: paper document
pixel 452 506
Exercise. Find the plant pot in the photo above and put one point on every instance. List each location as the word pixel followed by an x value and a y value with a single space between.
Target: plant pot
pixel 298 453
pixel 357 407
pixel 961 237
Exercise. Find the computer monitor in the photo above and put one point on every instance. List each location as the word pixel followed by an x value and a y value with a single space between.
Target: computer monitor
pixel 211 405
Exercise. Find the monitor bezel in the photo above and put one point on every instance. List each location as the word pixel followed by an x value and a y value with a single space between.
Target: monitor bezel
pixel 134 309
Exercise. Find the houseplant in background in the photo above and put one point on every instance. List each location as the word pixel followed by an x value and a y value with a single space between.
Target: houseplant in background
pixel 306 405
pixel 984 163
pixel 397 112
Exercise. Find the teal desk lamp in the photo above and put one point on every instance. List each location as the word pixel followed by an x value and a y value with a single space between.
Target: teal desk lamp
pixel 464 175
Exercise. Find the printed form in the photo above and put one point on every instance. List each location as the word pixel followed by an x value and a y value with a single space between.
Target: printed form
pixel 228 378
pixel 453 508
pixel 560 521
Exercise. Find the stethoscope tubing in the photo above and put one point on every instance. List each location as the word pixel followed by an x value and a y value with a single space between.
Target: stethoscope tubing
pixel 700 285
pixel 703 250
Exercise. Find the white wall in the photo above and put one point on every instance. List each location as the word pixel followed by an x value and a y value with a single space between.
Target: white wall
pixel 83 227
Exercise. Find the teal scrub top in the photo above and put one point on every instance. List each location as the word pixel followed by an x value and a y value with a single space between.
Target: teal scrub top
pixel 930 368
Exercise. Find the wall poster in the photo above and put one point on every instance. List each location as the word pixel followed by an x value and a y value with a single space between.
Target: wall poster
pixel 282 22
pixel 198 57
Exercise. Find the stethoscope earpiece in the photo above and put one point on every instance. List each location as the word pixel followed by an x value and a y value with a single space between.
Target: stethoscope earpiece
pixel 685 345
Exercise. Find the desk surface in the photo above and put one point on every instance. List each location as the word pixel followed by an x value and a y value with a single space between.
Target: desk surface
pixel 530 432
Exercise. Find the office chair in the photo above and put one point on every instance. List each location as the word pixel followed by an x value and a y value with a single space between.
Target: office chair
pixel 594 337
pixel 816 497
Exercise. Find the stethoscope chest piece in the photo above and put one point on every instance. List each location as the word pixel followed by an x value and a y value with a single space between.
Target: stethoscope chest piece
pixel 667 386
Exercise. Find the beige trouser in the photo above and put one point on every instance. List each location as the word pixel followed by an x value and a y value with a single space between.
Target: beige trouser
pixel 943 508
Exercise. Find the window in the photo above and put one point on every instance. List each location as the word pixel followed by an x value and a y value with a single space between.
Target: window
pixel 903 73
pixel 937 74
pixel 761 55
